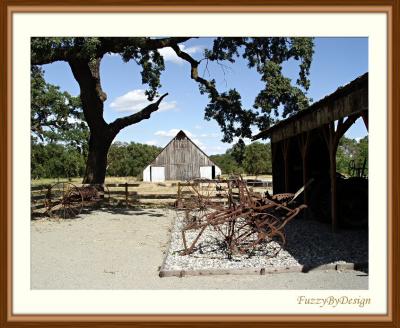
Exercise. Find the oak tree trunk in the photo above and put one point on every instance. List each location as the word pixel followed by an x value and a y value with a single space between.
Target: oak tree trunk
pixel 87 73
pixel 96 163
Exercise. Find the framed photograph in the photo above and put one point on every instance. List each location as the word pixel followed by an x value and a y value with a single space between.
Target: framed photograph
pixel 190 165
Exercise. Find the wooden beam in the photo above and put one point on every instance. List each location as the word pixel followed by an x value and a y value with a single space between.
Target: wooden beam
pixel 332 137
pixel 354 103
pixel 285 151
pixel 329 135
pixel 364 115
pixel 303 145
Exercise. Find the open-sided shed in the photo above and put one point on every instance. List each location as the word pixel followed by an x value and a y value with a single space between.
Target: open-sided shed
pixel 304 145
pixel 181 159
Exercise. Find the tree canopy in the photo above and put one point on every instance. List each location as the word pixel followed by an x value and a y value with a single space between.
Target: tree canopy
pixel 55 115
pixel 277 99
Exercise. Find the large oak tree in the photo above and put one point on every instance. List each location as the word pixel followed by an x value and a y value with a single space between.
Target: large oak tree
pixel 265 55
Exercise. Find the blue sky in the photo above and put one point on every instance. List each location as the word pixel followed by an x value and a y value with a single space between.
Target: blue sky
pixel 336 62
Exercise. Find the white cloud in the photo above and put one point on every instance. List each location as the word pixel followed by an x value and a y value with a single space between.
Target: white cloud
pixel 172 133
pixel 135 100
pixel 213 150
pixel 170 55
pixel 151 142
pixel 198 127
pixel 210 135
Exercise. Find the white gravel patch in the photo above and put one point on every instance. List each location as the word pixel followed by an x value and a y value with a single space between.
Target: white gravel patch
pixel 310 244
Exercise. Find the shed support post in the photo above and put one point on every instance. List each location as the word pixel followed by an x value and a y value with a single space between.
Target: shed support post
pixel 332 138
pixel 285 150
pixel 303 144
pixel 364 116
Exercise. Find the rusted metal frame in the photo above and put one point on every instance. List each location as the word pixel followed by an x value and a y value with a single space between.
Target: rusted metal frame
pixel 190 249
pixel 242 220
pixel 214 219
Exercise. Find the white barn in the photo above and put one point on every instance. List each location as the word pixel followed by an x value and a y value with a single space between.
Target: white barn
pixel 181 159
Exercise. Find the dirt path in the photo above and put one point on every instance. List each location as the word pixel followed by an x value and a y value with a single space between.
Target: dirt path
pixel 123 250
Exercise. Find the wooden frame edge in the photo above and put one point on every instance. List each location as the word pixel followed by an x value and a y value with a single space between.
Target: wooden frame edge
pixel 393 313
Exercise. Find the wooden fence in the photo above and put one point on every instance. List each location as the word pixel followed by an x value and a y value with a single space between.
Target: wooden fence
pixel 127 194
pixel 122 193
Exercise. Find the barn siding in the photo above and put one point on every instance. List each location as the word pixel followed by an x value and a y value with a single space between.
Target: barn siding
pixel 182 159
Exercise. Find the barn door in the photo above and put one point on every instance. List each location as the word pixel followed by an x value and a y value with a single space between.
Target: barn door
pixel 206 172
pixel 157 173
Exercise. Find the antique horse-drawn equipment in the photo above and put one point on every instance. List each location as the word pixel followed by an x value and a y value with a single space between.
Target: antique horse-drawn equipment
pixel 244 219
pixel 66 200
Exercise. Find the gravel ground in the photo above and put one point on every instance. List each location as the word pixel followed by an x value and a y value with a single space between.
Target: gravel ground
pixel 309 243
pixel 124 249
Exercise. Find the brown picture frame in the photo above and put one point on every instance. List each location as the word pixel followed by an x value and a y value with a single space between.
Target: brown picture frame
pixel 390 7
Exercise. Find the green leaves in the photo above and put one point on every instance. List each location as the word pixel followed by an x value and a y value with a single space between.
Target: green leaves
pixel 54 160
pixel 251 159
pixel 257 158
pixel 129 159
pixel 55 115
pixel 351 150
pixel 278 99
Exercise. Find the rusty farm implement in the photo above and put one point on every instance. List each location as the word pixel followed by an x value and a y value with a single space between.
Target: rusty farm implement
pixel 245 220
pixel 66 200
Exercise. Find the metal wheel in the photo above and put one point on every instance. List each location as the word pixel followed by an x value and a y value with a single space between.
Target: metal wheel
pixel 64 200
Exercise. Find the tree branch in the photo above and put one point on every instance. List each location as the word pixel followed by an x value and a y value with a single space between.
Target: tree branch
pixel 58 52
pixel 144 114
pixel 194 74
pixel 117 45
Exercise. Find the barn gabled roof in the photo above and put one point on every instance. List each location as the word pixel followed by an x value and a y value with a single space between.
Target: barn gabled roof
pixel 181 135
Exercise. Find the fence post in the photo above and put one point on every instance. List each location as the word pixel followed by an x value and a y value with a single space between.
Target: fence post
pixel 178 203
pixel 126 194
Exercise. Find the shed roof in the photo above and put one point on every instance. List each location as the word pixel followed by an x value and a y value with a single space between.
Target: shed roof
pixel 326 107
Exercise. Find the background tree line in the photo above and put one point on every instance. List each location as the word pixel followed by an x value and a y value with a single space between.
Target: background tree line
pixel 64 160
pixel 352 150
pixel 60 160
pixel 256 158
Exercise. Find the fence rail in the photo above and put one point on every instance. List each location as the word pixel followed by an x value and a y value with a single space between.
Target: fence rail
pixel 119 192
pixel 126 193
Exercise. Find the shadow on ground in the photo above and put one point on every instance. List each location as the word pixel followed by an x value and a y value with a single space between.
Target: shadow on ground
pixel 313 245
pixel 109 208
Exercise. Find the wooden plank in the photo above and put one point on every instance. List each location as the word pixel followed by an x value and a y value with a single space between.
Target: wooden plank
pixel 37 206
pixel 156 196
pixel 122 185
pixel 38 197
pixel 39 187
pixel 122 192
pixel 355 102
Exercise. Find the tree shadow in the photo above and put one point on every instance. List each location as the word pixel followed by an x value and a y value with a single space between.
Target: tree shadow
pixel 108 208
